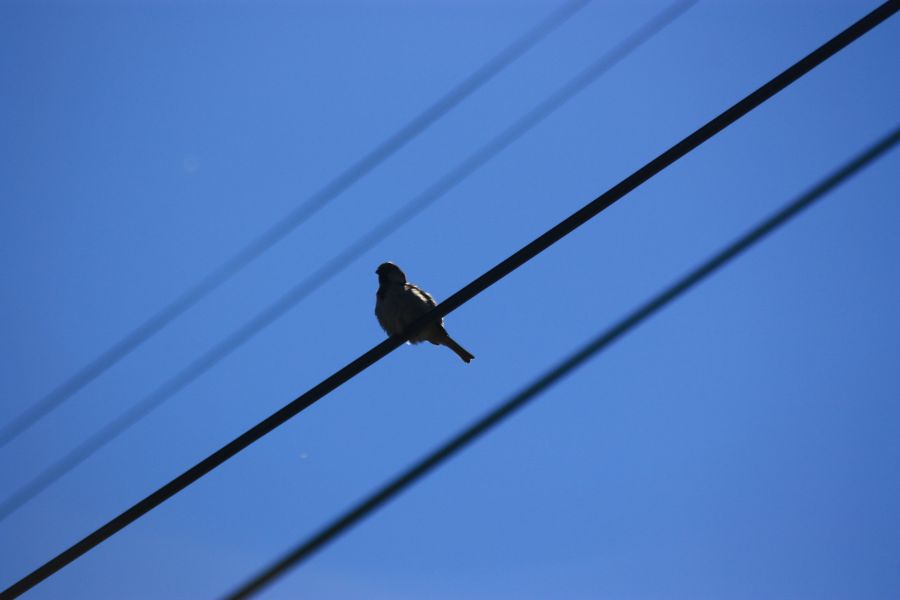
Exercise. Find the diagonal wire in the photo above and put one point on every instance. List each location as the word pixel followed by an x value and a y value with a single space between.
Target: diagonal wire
pixel 286 225
pixel 337 264
pixel 492 276
pixel 457 443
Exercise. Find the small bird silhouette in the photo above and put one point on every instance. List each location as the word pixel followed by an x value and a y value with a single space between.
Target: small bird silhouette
pixel 399 303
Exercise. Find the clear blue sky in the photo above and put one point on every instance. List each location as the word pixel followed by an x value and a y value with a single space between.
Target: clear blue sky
pixel 744 443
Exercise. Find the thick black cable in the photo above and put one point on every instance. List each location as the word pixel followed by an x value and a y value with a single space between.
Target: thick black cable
pixel 287 224
pixel 457 443
pixel 502 269
pixel 339 263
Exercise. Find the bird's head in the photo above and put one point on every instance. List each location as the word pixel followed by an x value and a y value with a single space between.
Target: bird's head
pixel 390 273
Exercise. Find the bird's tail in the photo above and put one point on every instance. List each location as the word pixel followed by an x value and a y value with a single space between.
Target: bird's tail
pixel 460 351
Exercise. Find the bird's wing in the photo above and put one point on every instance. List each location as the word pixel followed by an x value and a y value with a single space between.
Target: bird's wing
pixel 421 295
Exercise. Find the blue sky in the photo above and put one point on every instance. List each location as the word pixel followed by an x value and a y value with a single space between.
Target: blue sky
pixel 741 444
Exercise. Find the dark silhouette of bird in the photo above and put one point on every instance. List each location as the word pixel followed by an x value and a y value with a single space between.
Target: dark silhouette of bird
pixel 398 303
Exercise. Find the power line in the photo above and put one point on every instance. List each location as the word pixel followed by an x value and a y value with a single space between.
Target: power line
pixel 338 526
pixel 287 224
pixel 340 262
pixel 493 275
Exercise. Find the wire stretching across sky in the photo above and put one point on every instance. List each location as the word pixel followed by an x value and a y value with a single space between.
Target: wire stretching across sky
pixel 340 262
pixel 287 224
pixel 475 287
pixel 460 441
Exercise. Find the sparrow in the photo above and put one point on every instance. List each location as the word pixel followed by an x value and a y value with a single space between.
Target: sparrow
pixel 399 303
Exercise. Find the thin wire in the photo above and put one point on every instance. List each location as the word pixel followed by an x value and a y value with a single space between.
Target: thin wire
pixel 505 267
pixel 339 263
pixel 286 225
pixel 457 443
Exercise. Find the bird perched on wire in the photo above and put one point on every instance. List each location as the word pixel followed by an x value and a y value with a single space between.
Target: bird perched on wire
pixel 399 303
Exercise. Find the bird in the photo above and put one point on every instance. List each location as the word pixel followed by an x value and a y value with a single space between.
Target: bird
pixel 398 303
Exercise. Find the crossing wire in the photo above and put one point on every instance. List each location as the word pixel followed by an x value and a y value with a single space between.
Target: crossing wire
pixel 520 257
pixel 339 263
pixel 286 225
pixel 433 460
